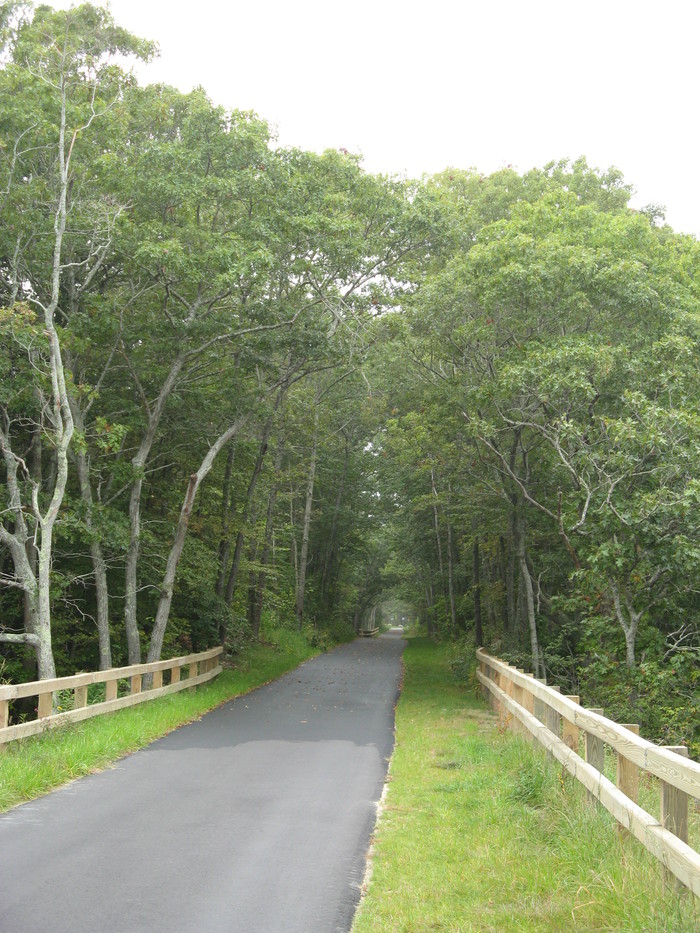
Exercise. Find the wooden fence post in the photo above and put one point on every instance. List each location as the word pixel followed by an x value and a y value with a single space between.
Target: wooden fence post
pixel 508 690
pixel 136 683
pixel 553 718
pixel 80 697
pixel 4 720
pixel 595 751
pixel 110 690
pixel 489 696
pixel 570 732
pixel 674 802
pixel 44 705
pixel 175 674
pixel 627 771
pixel 553 721
pixel 492 697
pixel 194 665
pixel 627 775
pixel 540 710
pixel 157 680
pixel 674 809
pixel 518 697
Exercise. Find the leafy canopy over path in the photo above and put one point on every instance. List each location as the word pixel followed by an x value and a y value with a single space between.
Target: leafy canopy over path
pixel 242 384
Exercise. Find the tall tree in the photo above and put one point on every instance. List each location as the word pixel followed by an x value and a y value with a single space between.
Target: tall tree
pixel 68 60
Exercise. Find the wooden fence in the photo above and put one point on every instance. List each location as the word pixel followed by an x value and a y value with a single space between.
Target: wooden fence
pixel 562 726
pixel 200 668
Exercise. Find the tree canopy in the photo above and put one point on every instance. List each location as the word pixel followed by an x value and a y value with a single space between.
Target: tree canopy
pixel 244 385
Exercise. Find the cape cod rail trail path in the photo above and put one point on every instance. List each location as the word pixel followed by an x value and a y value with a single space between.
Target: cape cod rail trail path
pixel 255 819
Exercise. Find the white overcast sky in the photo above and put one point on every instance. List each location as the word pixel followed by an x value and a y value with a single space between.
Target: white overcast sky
pixel 416 87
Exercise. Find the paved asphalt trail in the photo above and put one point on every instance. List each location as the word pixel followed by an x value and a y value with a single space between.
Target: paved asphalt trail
pixel 255 819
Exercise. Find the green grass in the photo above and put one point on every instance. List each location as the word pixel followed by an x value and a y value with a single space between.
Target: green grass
pixel 34 766
pixel 480 833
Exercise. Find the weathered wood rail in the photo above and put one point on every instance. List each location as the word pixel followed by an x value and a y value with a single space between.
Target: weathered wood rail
pixel 559 723
pixel 201 667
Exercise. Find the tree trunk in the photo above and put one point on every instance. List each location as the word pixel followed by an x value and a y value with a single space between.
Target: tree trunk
pixel 507 551
pixel 166 590
pixel 167 586
pixel 330 546
pixel 529 603
pixel 99 566
pixel 252 578
pixel 476 583
pixel 29 596
pixel 438 543
pixel 293 548
pixel 269 533
pixel 629 624
pixel 232 581
pixel 138 463
pixel 511 576
pixel 42 614
pixel 433 628
pixel 225 540
pixel 133 639
pixel 301 585
pixel 450 579
pixel 34 464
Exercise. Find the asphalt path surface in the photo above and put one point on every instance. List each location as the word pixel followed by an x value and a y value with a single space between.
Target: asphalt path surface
pixel 255 819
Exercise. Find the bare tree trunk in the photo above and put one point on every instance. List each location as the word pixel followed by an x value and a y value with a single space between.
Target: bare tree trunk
pixel 438 542
pixel 167 586
pixel 34 464
pixel 29 595
pixel 529 602
pixel 37 585
pixel 301 584
pixel 99 566
pixel 436 524
pixel 629 624
pixel 138 463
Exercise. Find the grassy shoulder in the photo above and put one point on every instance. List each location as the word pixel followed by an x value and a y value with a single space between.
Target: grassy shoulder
pixel 34 766
pixel 480 833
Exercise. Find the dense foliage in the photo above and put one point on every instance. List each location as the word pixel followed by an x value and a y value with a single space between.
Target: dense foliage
pixel 242 384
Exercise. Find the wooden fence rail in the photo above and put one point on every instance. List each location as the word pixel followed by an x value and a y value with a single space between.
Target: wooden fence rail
pixel 558 723
pixel 201 667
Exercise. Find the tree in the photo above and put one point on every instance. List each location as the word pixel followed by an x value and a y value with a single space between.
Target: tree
pixel 67 59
